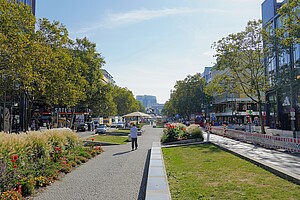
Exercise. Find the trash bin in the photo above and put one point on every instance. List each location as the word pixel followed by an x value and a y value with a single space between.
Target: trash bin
pixel 129 138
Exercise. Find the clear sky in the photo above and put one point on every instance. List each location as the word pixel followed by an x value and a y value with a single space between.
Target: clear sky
pixel 150 44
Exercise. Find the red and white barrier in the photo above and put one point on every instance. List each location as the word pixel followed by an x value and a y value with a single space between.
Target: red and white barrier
pixel 268 141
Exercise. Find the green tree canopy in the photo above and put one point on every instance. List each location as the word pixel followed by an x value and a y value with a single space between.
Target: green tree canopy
pixel 142 108
pixel 102 103
pixel 16 32
pixel 188 97
pixel 125 101
pixel 59 69
pixel 240 56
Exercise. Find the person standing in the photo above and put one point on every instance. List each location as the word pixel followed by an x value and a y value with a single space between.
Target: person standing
pixel 133 135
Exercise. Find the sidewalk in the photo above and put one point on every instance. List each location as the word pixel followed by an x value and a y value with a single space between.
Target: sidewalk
pixel 121 174
pixel 282 163
pixel 118 173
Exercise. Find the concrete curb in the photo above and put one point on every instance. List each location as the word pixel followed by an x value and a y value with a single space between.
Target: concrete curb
pixel 157 183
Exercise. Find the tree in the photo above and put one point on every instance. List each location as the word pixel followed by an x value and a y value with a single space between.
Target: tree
pixel 56 68
pixel 241 58
pixel 46 64
pixel 141 107
pixel 86 51
pixel 17 25
pixel 188 97
pixel 125 101
pixel 103 102
pixel 169 108
pixel 16 31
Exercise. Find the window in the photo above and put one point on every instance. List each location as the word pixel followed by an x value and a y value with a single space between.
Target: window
pixel 297 52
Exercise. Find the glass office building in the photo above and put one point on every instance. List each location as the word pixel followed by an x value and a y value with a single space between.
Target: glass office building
pixel 283 71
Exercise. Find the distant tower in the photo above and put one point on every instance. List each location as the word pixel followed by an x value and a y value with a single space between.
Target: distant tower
pixel 147 100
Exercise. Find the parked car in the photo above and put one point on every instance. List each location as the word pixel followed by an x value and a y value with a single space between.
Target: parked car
pixel 114 125
pixel 120 125
pixel 102 128
pixel 82 127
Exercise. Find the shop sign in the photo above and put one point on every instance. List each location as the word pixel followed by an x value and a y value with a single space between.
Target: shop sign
pixel 249 112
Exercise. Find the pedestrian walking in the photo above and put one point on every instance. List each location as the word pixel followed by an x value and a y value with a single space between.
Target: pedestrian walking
pixel 133 135
pixel 47 124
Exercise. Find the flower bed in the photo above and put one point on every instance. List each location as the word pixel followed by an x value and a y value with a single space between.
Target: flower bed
pixel 36 159
pixel 177 132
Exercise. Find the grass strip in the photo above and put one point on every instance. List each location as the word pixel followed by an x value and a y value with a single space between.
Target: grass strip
pixel 121 131
pixel 110 139
pixel 207 172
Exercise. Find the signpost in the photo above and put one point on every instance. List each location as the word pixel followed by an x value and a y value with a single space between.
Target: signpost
pixel 292 112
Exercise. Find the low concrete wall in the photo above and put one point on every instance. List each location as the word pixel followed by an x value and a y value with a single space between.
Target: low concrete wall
pixel 157 183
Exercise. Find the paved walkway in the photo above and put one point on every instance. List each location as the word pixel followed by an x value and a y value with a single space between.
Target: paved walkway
pixel 280 162
pixel 118 173
pixel 121 174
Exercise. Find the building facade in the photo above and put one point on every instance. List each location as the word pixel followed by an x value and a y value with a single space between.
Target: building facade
pixel 207 74
pixel 283 72
pixel 108 78
pixel 147 100
pixel 233 108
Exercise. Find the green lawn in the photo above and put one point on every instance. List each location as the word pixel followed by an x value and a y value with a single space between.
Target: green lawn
pixel 110 139
pixel 121 131
pixel 207 172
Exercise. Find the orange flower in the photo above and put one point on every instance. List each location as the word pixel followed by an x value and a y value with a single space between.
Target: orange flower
pixel 93 139
pixel 15 166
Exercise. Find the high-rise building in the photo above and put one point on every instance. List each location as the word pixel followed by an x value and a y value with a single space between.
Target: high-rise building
pixel 147 100
pixel 283 72
pixel 207 74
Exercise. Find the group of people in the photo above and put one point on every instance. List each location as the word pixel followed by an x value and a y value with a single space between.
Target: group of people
pixel 35 125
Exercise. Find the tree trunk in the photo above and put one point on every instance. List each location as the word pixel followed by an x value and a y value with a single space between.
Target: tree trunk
pixel 261 119
pixel 72 119
pixel 29 114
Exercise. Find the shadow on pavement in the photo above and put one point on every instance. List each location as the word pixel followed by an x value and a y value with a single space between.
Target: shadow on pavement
pixel 143 187
pixel 121 153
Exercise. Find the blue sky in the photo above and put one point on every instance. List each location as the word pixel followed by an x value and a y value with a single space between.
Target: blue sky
pixel 150 44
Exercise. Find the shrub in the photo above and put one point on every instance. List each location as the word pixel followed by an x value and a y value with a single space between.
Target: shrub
pixel 195 131
pixel 178 131
pixel 36 159
pixel 173 132
pixel 169 135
